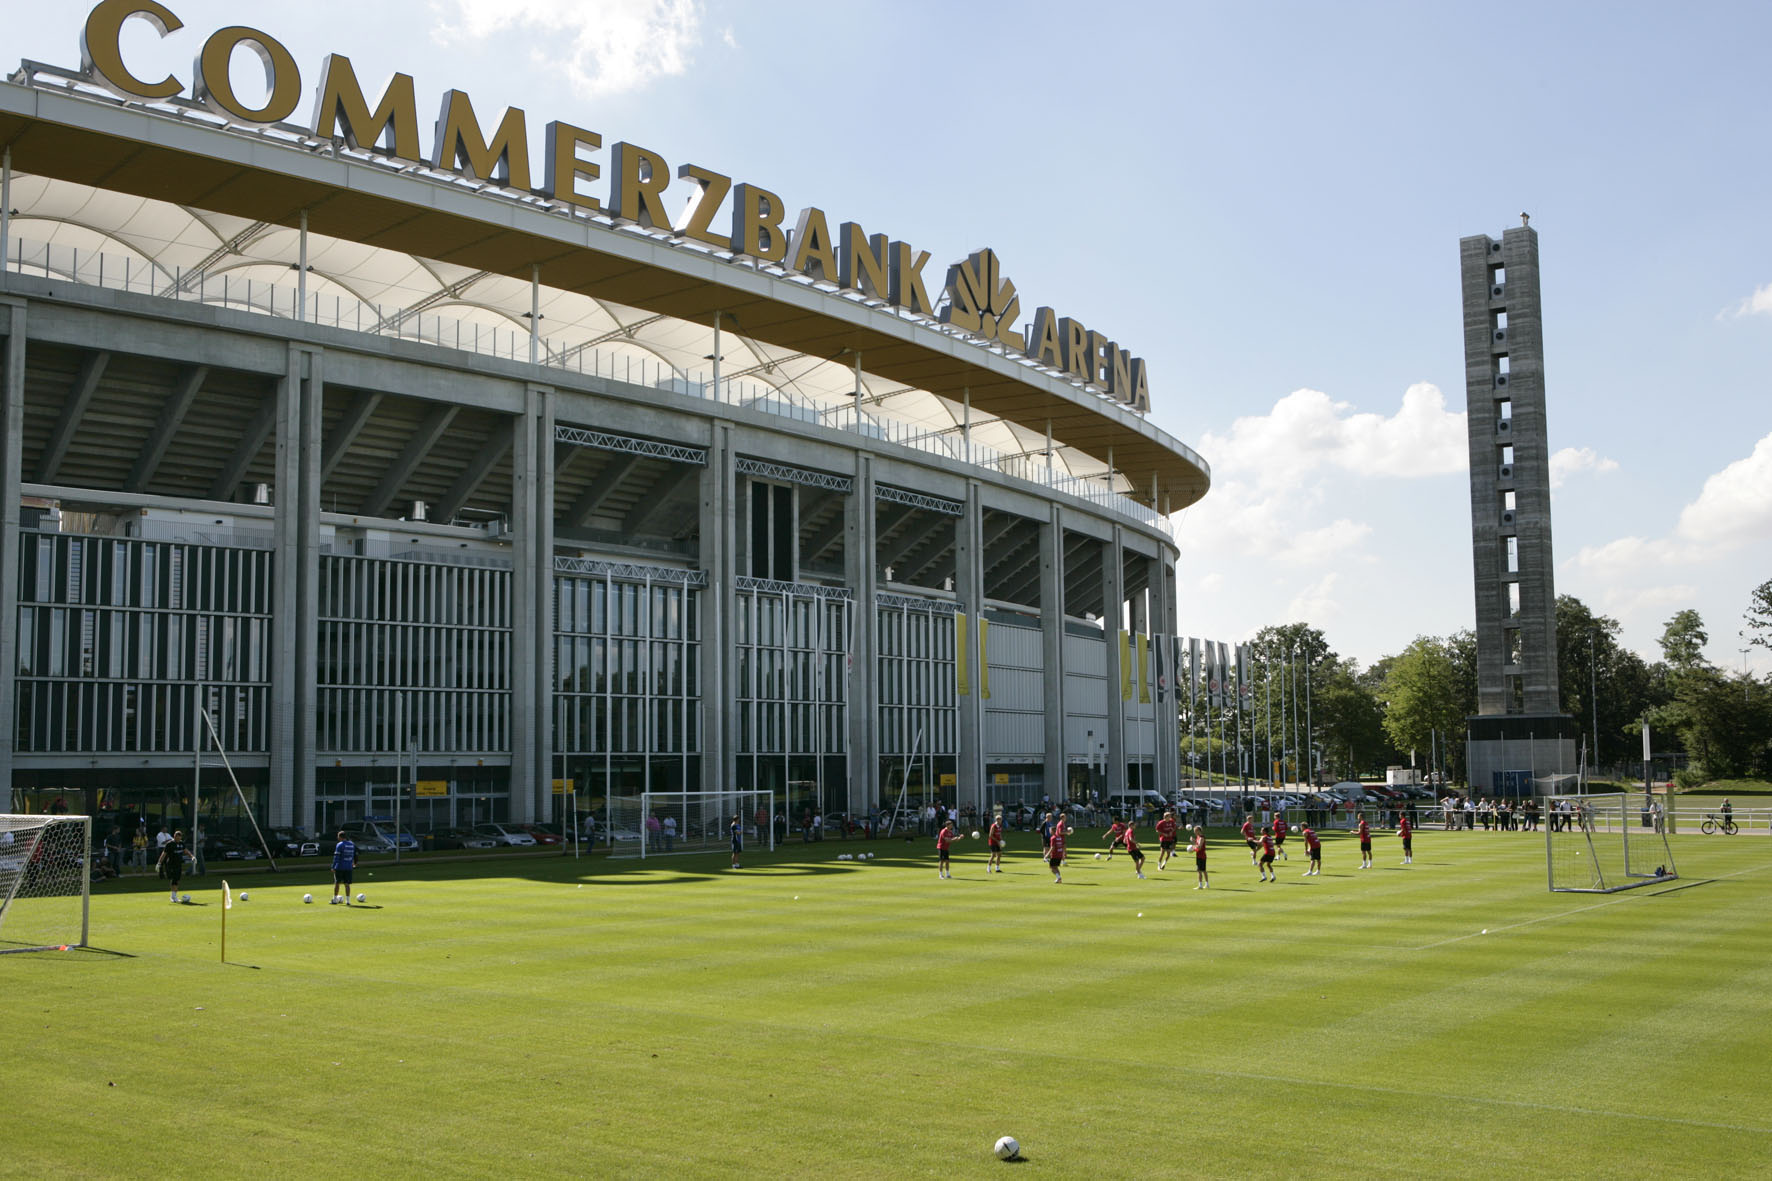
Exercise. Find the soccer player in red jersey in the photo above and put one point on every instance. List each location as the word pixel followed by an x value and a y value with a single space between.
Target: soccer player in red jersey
pixel 1165 839
pixel 1267 858
pixel 1129 838
pixel 943 839
pixel 1365 844
pixel 995 837
pixel 1280 836
pixel 1114 832
pixel 1198 845
pixel 1406 831
pixel 1055 849
pixel 1249 836
pixel 1314 847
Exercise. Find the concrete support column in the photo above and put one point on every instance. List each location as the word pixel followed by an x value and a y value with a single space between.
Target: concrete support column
pixel 969 567
pixel 12 431
pixel 1052 651
pixel 1162 578
pixel 1113 603
pixel 719 689
pixel 532 587
pixel 858 560
pixel 295 627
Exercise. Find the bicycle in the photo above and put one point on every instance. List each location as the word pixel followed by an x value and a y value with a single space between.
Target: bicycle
pixel 1712 825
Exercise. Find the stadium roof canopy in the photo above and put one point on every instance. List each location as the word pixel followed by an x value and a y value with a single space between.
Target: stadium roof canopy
pixel 396 249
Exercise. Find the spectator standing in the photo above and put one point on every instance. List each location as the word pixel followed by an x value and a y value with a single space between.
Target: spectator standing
pixel 139 846
pixel 669 830
pixel 114 849
pixel 736 830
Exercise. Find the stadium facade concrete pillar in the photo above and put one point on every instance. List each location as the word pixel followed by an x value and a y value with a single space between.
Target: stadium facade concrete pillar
pixel 859 550
pixel 1055 764
pixel 295 626
pixel 718 531
pixel 532 577
pixel 12 432
pixel 969 567
pixel 1167 731
pixel 1113 602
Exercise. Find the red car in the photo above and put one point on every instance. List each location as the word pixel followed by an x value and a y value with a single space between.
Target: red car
pixel 542 836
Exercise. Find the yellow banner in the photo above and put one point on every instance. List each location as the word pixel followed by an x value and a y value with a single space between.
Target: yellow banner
pixel 431 787
pixel 948 779
pixel 984 659
pixel 1125 666
pixel 1001 778
pixel 562 786
pixel 1144 669
pixel 962 684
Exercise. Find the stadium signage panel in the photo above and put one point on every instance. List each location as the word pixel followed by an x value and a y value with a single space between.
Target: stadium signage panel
pixel 979 299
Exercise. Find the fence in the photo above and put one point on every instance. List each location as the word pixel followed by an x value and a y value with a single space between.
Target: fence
pixel 94 268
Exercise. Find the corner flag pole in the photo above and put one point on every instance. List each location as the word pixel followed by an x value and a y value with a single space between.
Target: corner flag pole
pixel 227 905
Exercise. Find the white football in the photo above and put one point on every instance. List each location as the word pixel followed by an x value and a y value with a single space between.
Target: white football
pixel 1295 828
pixel 244 895
pixel 1098 856
pixel 975 834
pixel 1008 1148
pixel 184 897
pixel 360 898
pixel 307 897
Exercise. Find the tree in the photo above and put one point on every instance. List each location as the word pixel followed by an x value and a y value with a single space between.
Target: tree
pixel 1683 641
pixel 1425 697
pixel 1759 616
pixel 1604 686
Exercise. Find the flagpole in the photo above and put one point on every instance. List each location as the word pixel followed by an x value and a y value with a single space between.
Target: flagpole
pixel 227 905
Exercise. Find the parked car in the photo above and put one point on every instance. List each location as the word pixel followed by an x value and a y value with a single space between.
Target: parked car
pixel 218 847
pixel 292 842
pixel 376 836
pixel 459 838
pixel 540 833
pixel 504 834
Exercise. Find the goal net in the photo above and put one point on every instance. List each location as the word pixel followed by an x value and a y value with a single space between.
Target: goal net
pixel 658 822
pixel 1602 843
pixel 45 862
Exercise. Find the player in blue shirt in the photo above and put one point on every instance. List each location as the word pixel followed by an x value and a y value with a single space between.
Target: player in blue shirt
pixel 344 860
pixel 736 828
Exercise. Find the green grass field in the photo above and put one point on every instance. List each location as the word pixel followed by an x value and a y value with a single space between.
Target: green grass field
pixel 805 1016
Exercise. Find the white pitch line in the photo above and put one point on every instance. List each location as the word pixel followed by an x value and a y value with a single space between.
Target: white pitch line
pixel 1578 910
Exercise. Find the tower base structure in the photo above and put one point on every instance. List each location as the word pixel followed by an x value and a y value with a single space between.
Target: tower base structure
pixel 1521 754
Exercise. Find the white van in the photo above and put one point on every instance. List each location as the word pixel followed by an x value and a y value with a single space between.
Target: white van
pixel 1150 801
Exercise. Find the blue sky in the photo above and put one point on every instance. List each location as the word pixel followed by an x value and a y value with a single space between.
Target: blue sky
pixel 1264 201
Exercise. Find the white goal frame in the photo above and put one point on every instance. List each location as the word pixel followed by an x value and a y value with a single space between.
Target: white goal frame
pixel 703 820
pixel 45 881
pixel 1600 845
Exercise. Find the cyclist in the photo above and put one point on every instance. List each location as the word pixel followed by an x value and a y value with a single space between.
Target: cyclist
pixel 1728 810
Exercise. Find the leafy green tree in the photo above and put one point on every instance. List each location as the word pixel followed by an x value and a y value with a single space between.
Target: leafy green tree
pixel 1759 616
pixel 1604 686
pixel 1425 698
pixel 1683 641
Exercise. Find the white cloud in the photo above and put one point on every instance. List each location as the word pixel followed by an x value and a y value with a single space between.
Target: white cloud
pixel 1735 506
pixel 1307 432
pixel 1316 602
pixel 1757 304
pixel 1572 460
pixel 604 47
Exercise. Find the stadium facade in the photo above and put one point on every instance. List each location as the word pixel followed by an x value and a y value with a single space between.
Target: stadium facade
pixel 483 482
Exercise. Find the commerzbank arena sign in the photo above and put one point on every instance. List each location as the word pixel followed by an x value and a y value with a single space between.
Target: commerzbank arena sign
pixel 628 184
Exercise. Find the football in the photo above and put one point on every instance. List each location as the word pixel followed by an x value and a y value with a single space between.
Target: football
pixel 185 898
pixel 1008 1148
pixel 243 895
pixel 1295 828
pixel 975 834
pixel 360 898
pixel 307 897
pixel 1098 856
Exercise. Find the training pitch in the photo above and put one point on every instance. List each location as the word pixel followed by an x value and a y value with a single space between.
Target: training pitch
pixel 805 1016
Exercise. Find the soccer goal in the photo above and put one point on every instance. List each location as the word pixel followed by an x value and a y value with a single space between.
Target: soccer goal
pixel 1590 846
pixel 45 881
pixel 658 822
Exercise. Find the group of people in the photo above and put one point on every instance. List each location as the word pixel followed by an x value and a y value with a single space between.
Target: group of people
pixel 1494 815
pixel 1266 843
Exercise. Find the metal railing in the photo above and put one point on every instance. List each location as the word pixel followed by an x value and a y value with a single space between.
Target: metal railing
pixel 94 268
